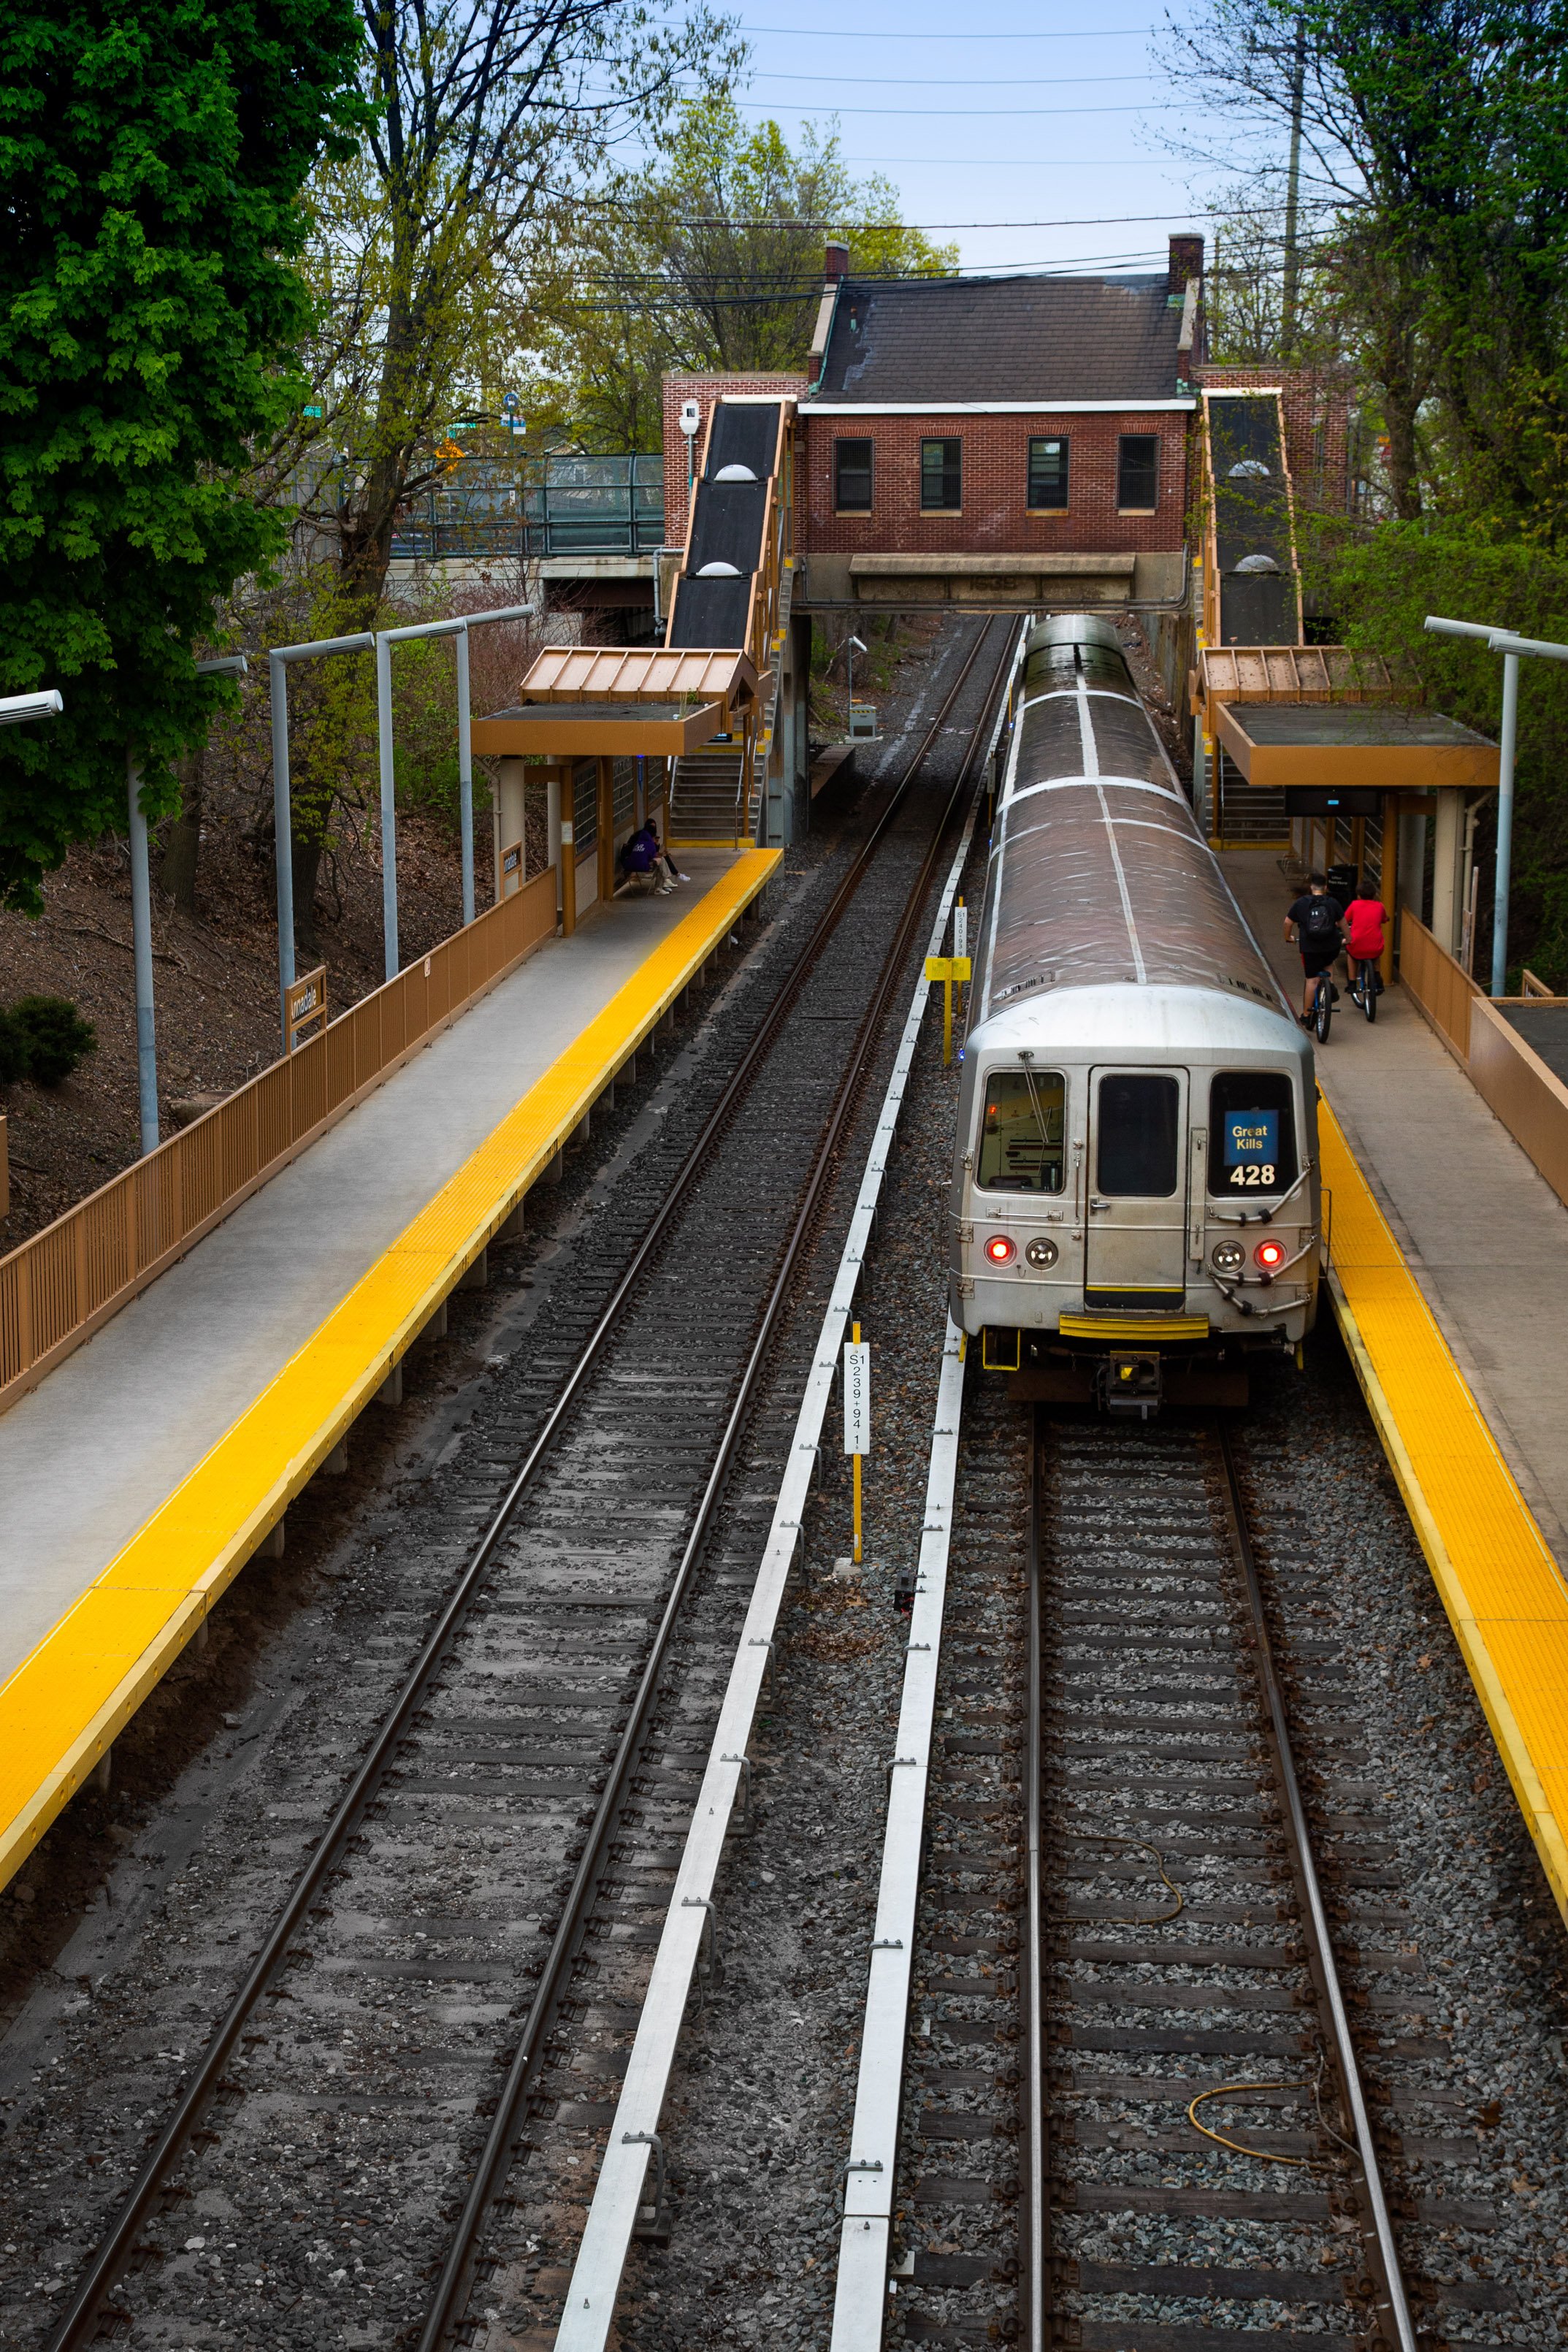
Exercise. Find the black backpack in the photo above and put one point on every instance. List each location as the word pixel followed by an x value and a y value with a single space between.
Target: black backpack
pixel 1319 923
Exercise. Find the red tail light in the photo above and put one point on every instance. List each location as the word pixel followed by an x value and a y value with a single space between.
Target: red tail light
pixel 1001 1250
pixel 1270 1256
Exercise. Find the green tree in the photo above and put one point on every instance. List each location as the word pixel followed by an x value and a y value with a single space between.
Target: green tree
pixel 152 155
pixel 490 118
pixel 714 261
pixel 1434 160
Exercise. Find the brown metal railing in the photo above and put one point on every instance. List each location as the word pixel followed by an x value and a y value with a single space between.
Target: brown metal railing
pixel 1441 986
pixel 1511 1077
pixel 58 1288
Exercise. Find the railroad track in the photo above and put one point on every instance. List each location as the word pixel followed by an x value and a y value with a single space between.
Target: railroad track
pixel 371 2138
pixel 1173 2024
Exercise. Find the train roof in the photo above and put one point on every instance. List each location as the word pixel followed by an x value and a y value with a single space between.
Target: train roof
pixel 1106 881
pixel 1073 629
pixel 1118 1024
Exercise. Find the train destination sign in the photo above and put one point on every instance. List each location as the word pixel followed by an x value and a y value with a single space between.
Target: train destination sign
pixel 1252 1146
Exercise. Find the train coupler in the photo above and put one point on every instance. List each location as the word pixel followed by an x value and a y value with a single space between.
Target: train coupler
pixel 1129 1386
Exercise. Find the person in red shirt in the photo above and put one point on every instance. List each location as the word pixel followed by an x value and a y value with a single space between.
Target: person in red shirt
pixel 1365 936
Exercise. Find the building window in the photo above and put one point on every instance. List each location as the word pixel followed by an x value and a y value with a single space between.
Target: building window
pixel 1138 472
pixel 1047 475
pixel 941 477
pixel 851 476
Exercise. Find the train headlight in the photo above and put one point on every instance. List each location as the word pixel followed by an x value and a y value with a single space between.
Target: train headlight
pixel 1270 1256
pixel 1002 1250
pixel 1042 1254
pixel 1227 1258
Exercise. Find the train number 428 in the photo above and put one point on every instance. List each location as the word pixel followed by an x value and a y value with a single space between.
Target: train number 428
pixel 1259 1173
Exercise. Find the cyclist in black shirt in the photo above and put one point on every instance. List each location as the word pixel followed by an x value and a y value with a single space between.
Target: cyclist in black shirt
pixel 1313 922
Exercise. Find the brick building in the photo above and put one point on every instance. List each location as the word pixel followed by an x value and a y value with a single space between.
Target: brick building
pixel 985 440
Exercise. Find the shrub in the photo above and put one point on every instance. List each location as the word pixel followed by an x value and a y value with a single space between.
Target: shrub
pixel 53 1036
pixel 13 1052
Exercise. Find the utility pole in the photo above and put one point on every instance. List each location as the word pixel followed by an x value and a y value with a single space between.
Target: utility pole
pixel 1291 300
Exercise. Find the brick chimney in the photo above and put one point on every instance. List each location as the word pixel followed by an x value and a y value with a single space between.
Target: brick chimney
pixel 838 261
pixel 1187 261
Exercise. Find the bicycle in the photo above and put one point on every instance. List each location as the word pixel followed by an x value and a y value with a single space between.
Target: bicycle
pixel 1367 985
pixel 1322 1006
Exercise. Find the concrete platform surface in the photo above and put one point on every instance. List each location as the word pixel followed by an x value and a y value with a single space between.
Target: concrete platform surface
pixel 1481 1229
pixel 87 1457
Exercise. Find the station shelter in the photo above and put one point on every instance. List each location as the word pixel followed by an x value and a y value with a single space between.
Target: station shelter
pixel 597 733
pixel 1325 765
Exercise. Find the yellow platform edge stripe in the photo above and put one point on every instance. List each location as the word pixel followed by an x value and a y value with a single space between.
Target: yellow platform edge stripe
pixel 69 1699
pixel 1498 1584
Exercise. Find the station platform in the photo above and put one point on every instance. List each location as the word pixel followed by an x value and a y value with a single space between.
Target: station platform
pixel 1449 1270
pixel 143 1472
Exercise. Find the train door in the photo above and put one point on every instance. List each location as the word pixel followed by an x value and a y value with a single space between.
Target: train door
pixel 1135 1238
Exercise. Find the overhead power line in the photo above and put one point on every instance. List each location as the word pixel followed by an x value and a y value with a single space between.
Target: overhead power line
pixel 985 113
pixel 841 32
pixel 993 81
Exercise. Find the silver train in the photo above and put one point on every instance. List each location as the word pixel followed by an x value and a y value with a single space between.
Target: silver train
pixel 1135 1205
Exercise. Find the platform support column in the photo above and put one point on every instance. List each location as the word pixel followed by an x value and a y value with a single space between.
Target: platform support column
pixel 510 800
pixel 605 790
pixel 1389 886
pixel 1447 870
pixel 1413 860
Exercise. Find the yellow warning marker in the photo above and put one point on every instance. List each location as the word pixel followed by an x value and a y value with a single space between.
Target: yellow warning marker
pixel 947 968
pixel 857 1414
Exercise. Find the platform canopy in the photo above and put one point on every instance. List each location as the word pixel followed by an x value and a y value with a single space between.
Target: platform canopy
pixel 579 701
pixel 1368 746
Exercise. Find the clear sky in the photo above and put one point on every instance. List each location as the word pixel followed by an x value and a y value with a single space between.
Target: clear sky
pixel 1047 121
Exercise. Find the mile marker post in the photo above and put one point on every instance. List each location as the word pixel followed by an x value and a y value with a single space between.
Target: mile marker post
pixel 857 1414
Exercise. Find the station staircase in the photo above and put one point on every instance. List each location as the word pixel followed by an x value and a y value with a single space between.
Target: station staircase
pixel 732 590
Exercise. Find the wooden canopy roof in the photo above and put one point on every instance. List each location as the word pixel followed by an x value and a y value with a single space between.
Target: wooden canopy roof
pixel 582 701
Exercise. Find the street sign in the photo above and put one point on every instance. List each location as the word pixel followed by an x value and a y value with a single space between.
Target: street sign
pixel 511 870
pixel 305 1008
pixel 960 930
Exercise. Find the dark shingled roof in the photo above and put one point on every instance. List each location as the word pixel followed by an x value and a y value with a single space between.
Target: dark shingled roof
pixel 1035 338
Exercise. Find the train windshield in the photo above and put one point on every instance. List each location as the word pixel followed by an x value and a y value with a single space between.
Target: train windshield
pixel 1021 1130
pixel 1252 1132
pixel 1138 1119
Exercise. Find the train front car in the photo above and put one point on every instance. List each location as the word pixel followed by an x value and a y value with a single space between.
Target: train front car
pixel 1135 1198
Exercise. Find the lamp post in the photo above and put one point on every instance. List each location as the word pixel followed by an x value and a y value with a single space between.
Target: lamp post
pixel 853 645
pixel 1504 642
pixel 221 666
pixel 15 709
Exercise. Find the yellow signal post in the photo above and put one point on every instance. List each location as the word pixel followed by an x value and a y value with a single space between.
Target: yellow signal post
pixel 947 968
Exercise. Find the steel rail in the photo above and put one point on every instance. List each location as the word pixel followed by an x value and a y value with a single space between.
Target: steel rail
pixel 447 2304
pixel 78 2323
pixel 1392 2308
pixel 1035 2248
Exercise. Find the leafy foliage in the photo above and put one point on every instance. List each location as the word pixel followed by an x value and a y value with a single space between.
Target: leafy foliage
pixel 1383 587
pixel 490 120
pixel 714 261
pixel 152 152
pixel 43 1038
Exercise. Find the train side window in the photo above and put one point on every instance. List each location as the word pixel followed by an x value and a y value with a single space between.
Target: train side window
pixel 1135 1153
pixel 851 476
pixel 1014 1157
pixel 1252 1132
